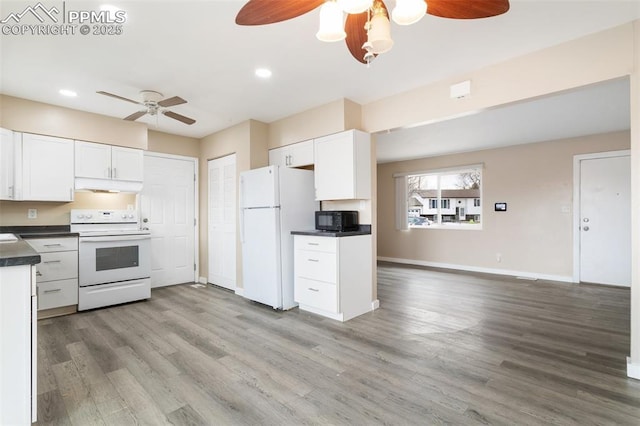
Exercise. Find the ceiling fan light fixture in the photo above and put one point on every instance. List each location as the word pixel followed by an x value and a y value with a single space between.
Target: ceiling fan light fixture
pixel 331 24
pixel 408 12
pixel 355 6
pixel 379 37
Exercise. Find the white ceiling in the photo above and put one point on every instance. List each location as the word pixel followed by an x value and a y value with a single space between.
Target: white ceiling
pixel 193 49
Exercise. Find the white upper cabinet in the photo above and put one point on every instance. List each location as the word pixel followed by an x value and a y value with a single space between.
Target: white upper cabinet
pixel 7 165
pixel 108 168
pixel 295 155
pixel 343 166
pixel 93 160
pixel 127 163
pixel 47 168
pixel 98 161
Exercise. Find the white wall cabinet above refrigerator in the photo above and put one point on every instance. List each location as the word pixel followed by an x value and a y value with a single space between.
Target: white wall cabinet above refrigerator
pixel 106 167
pixel 343 166
pixel 35 167
pixel 295 155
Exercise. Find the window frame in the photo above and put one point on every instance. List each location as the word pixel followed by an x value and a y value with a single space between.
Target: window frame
pixel 439 224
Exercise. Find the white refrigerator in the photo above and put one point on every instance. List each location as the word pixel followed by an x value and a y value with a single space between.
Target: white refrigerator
pixel 273 202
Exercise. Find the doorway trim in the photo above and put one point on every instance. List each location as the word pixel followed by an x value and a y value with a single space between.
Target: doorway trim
pixel 576 201
pixel 196 202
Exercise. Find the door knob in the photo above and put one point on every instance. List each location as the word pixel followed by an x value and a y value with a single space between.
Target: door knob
pixel 585 228
pixel 145 220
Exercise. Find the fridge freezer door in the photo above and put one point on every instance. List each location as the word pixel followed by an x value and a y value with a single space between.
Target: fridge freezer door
pixel 258 188
pixel 261 271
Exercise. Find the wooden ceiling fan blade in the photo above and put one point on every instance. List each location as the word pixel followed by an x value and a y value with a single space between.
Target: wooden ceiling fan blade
pixel 119 97
pixel 185 120
pixel 261 12
pixel 169 102
pixel 467 9
pixel 135 115
pixel 356 35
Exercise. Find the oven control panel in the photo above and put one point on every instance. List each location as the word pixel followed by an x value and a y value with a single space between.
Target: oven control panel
pixel 104 216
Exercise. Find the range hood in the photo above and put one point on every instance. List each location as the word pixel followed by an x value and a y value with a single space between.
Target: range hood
pixel 107 185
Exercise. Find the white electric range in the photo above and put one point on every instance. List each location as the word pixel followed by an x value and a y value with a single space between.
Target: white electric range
pixel 114 257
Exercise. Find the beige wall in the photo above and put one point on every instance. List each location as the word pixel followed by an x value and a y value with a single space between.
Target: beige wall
pixel 167 143
pixel 595 58
pixel 533 236
pixel 22 115
pixel 14 213
pixel 248 140
pixel 333 117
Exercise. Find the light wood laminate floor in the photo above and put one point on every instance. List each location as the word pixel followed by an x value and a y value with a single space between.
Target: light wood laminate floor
pixel 444 348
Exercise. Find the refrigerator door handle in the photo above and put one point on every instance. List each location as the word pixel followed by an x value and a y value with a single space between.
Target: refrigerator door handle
pixel 241 226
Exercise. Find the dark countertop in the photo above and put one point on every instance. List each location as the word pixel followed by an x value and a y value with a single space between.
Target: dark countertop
pixel 39 231
pixel 17 253
pixel 364 230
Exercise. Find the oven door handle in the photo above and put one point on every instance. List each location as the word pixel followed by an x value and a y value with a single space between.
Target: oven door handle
pixel 114 238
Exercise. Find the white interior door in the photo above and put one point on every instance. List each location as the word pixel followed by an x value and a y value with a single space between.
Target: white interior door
pixel 167 207
pixel 222 222
pixel 605 220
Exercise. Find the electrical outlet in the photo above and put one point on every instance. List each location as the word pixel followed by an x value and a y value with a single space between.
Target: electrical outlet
pixel 498 257
pixel 32 214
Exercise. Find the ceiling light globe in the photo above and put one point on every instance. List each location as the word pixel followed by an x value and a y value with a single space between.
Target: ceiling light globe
pixel 331 23
pixel 380 34
pixel 355 6
pixel 408 12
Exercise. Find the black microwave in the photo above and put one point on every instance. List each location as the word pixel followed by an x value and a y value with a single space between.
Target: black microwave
pixel 337 220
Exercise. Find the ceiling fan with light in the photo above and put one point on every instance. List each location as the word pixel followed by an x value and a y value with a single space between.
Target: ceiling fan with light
pixel 153 103
pixel 367 29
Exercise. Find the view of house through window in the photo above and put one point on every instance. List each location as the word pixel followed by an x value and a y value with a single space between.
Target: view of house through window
pixel 451 198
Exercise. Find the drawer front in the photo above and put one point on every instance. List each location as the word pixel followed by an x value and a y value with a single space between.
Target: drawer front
pixel 45 245
pixel 57 266
pixel 316 294
pixel 316 265
pixel 54 294
pixel 326 244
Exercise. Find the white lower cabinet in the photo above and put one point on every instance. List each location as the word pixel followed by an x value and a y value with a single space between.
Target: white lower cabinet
pixel 18 343
pixel 333 276
pixel 57 273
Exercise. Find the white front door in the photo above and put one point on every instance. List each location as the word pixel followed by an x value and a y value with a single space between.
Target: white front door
pixel 167 208
pixel 222 222
pixel 605 220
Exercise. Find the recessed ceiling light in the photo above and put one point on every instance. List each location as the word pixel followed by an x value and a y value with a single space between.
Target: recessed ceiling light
pixel 263 72
pixel 67 92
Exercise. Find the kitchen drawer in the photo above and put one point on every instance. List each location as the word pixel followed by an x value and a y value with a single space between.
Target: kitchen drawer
pixel 57 266
pixel 54 294
pixel 316 265
pixel 326 244
pixel 316 294
pixel 45 245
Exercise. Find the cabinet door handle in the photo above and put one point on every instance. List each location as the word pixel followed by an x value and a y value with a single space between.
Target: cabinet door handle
pixel 313 260
pixel 313 289
pixel 313 244
pixel 53 245
pixel 55 290
pixel 52 261
pixel 38 274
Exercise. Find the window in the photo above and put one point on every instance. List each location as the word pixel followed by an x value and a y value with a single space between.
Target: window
pixel 450 198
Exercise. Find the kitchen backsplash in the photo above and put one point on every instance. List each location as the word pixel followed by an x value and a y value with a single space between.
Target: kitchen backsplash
pixel 15 213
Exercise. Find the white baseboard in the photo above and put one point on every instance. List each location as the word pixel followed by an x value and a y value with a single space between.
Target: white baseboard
pixel 633 370
pixel 522 274
pixel 202 280
pixel 375 305
pixel 239 291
